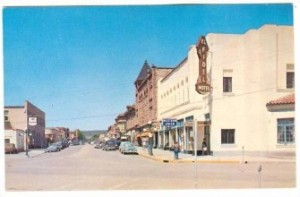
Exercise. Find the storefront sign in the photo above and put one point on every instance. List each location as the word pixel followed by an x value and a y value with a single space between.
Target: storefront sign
pixel 32 121
pixel 188 124
pixel 169 122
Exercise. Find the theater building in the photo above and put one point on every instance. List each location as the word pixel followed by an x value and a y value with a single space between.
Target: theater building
pixel 252 79
pixel 234 90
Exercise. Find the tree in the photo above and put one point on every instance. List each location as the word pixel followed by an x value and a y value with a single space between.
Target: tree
pixel 80 135
pixel 95 137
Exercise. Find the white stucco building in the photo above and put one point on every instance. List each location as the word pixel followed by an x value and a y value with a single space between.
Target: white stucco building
pixel 250 105
pixel 178 100
pixel 247 72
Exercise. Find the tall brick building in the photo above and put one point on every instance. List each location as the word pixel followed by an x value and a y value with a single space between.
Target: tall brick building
pixel 146 96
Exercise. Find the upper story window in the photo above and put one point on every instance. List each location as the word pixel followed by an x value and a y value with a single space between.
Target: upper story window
pixel 227 80
pixel 290 76
pixel 6 119
pixel 227 84
pixel 290 80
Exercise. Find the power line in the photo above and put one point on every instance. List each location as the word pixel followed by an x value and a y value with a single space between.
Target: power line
pixel 73 118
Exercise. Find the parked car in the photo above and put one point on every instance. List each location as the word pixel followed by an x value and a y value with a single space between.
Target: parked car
pixel 74 142
pixel 10 148
pixel 110 145
pixel 58 145
pixel 65 143
pixel 128 148
pixel 117 143
pixel 98 145
pixel 52 148
pixel 122 145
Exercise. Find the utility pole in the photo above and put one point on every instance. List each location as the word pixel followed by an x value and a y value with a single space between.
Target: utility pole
pixel 26 141
pixel 26 131
pixel 195 153
pixel 259 169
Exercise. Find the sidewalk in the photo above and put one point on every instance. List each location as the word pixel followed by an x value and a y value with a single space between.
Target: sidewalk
pixel 168 157
pixel 33 153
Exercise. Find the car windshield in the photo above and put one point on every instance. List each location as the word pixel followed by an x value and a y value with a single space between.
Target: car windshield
pixel 110 142
pixel 128 144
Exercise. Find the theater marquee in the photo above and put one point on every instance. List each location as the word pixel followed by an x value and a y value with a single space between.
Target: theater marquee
pixel 202 86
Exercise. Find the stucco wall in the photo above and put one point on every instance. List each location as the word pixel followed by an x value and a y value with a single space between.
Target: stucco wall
pixel 177 97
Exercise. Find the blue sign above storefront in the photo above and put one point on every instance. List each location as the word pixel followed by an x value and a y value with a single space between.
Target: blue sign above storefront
pixel 169 122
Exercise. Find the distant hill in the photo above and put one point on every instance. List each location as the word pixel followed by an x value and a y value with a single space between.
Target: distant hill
pixel 89 134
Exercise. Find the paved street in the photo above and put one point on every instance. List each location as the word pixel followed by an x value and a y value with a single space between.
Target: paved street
pixel 86 168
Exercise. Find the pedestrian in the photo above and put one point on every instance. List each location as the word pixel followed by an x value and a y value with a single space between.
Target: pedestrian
pixel 144 144
pixel 176 150
pixel 204 146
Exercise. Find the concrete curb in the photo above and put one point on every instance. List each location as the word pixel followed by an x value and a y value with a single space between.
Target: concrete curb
pixel 168 159
pixel 182 160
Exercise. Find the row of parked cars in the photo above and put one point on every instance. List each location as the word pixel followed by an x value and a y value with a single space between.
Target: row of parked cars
pixel 57 146
pixel 124 147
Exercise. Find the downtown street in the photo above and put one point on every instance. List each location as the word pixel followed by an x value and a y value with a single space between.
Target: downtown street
pixel 81 168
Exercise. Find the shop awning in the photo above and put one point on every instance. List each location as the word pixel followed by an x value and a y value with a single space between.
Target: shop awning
pixel 145 134
pixel 137 135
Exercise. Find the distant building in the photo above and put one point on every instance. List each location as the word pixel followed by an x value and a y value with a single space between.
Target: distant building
pixel 120 122
pixel 72 135
pixel 112 132
pixel 55 134
pixel 131 122
pixel 16 118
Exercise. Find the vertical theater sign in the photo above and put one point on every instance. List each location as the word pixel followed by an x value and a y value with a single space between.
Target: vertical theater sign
pixel 202 86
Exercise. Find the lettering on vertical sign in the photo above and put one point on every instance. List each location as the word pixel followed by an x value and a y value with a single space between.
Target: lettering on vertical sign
pixel 202 86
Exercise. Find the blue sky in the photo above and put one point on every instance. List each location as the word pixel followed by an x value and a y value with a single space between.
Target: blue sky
pixel 79 64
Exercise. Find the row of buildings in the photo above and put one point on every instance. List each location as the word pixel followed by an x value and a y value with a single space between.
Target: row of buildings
pixel 27 124
pixel 235 91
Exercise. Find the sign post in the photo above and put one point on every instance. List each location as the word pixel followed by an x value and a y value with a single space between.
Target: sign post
pixel 32 121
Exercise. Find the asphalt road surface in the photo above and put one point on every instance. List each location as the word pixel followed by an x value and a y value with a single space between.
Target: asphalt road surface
pixel 83 167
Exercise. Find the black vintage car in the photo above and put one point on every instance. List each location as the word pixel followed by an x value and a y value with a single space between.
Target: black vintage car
pixel 10 148
pixel 110 145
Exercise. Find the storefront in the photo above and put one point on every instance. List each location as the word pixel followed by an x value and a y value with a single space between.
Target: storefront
pixel 184 134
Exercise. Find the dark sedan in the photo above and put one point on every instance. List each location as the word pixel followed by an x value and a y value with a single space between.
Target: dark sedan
pixel 110 145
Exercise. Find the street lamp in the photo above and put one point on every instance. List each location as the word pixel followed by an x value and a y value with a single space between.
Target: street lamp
pixel 150 145
pixel 27 133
